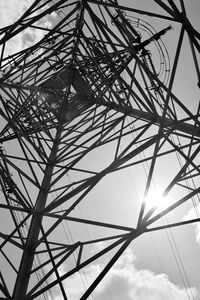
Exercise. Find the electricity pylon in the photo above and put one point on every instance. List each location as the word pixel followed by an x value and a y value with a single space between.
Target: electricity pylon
pixel 98 94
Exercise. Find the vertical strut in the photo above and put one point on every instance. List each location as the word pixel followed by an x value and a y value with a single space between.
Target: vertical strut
pixel 31 244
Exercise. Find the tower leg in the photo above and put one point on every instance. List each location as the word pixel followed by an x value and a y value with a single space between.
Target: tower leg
pixel 23 277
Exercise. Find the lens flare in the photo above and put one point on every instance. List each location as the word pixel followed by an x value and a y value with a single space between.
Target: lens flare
pixel 156 199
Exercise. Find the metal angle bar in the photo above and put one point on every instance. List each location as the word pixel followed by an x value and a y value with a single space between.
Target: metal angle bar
pixel 92 181
pixel 13 26
pixel 79 255
pixel 52 249
pixel 102 15
pixel 17 208
pixel 119 137
pixel 61 246
pixel 81 266
pixel 173 73
pixel 24 159
pixel 173 6
pixel 20 171
pixel 42 154
pixel 4 291
pixel 195 61
pixel 69 185
pixel 49 273
pixel 166 8
pixel 184 185
pixel 192 137
pixel 47 262
pixel 90 222
pixel 29 163
pixel 32 49
pixel 36 18
pixel 76 169
pixel 164 142
pixel 148 116
pixel 109 265
pixel 152 210
pixel 87 151
pixel 64 189
pixel 88 130
pixel 183 6
pixel 10 184
pixel 16 222
pixel 115 135
pixel 96 143
pixel 26 263
pixel 149 177
pixel 7 239
pixel 19 133
pixel 55 204
pixel 104 84
pixel 130 9
pixel 172 225
pixel 136 139
pixel 2 52
pixel 125 67
pixel 172 207
pixel 188 159
pixel 148 108
pixel 108 238
pixel 124 158
pixel 151 97
pixel 5 287
pixel 67 253
pixel 43 140
pixel 186 23
pixel 189 174
pixel 84 120
pixel 8 260
pixel 41 28
pixel 159 155
pixel 166 89
pixel 122 32
pixel 54 265
pixel 14 231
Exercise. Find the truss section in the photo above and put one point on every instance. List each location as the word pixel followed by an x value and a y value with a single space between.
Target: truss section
pixel 98 95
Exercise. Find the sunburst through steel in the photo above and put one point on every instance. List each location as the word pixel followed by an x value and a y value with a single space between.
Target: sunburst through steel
pixel 100 98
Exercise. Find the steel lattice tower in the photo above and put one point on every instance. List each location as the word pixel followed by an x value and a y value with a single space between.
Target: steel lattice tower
pixel 97 95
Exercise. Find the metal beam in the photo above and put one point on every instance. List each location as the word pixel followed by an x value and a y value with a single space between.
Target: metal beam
pixel 35 226
pixel 176 125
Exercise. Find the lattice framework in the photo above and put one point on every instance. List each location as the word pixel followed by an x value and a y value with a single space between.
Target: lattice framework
pixel 79 106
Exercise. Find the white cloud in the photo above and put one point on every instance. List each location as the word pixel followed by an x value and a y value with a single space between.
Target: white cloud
pixel 194 213
pixel 11 11
pixel 126 282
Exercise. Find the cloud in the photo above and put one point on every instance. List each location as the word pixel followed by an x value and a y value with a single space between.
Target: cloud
pixel 11 11
pixel 126 282
pixel 194 213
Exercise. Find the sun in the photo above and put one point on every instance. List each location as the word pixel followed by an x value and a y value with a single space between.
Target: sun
pixel 156 199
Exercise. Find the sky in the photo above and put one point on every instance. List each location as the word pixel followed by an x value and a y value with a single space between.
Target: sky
pixel 10 12
pixel 126 281
pixel 143 272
